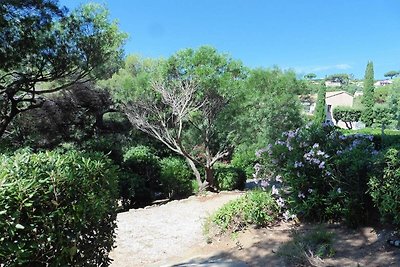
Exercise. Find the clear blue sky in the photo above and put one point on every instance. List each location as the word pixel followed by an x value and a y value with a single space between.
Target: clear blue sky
pixel 320 36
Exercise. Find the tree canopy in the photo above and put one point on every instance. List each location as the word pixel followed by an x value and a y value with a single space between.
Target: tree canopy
pixel 342 78
pixel 187 102
pixel 392 73
pixel 346 114
pixel 45 49
pixel 310 76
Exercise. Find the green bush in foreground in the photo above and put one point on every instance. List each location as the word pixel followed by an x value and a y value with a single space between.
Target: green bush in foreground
pixel 254 208
pixel 384 186
pixel 176 177
pixel 56 209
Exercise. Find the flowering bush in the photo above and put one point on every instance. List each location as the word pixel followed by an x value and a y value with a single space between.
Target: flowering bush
pixel 319 173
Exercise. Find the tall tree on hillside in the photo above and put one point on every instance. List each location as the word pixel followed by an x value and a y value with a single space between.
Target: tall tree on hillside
pixel 44 49
pixel 320 109
pixel 367 115
pixel 391 74
pixel 310 76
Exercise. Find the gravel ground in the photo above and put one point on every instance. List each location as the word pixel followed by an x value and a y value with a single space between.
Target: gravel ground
pixel 153 234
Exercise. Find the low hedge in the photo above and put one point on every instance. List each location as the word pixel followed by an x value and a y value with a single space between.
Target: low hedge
pixel 391 137
pixel 176 178
pixel 229 178
pixel 57 209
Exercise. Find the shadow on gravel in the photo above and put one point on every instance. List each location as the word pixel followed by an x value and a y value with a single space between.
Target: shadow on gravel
pixel 365 246
pixel 256 255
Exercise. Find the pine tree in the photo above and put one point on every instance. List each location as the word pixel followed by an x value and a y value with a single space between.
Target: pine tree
pixel 368 97
pixel 320 109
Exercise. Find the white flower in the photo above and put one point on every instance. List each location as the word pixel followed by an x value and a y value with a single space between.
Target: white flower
pixel 280 202
pixel 275 190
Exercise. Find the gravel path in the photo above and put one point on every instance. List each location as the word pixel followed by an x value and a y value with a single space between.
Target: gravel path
pixel 154 234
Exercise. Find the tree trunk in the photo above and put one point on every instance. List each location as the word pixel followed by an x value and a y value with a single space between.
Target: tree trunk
pixel 202 185
pixel 209 173
pixel 5 122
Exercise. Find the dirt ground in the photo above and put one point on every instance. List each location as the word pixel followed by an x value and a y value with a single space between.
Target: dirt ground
pixel 171 235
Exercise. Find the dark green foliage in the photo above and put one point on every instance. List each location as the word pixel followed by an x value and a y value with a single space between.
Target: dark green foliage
pixel 368 97
pixel 133 191
pixel 229 178
pixel 45 49
pixel 57 209
pixel 347 114
pixel 320 109
pixel 142 161
pixel 254 208
pixel 176 178
pixel 74 115
pixel 384 185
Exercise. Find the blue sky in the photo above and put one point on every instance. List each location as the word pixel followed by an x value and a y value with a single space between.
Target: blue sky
pixel 320 36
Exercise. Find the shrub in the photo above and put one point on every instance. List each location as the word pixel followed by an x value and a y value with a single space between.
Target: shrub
pixel 57 209
pixel 324 173
pixel 142 161
pixel 176 178
pixel 132 190
pixel 391 137
pixel 244 159
pixel 384 186
pixel 254 208
pixel 229 178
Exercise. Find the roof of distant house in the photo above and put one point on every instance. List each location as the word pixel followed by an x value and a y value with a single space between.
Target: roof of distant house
pixel 313 97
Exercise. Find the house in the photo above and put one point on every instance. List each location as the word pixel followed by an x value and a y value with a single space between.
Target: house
pixel 332 84
pixel 383 83
pixel 332 99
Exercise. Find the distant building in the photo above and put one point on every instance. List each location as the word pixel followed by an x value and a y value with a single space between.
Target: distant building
pixel 332 99
pixel 383 83
pixel 332 84
pixel 358 93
